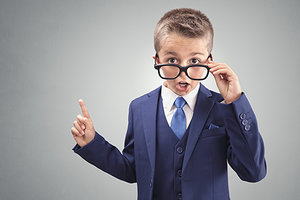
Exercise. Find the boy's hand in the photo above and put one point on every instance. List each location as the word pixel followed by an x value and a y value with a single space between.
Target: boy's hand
pixel 227 81
pixel 83 129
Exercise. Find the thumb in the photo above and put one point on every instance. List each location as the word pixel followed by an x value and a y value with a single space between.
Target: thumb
pixel 86 122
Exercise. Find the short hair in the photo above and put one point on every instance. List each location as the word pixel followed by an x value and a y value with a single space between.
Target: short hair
pixel 187 22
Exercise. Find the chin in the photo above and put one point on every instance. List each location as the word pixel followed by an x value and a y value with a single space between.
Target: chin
pixel 181 93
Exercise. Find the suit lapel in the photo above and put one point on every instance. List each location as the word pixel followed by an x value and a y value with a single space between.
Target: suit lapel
pixel 149 111
pixel 202 109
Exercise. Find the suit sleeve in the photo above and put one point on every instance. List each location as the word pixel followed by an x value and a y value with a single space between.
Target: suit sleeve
pixel 245 150
pixel 108 158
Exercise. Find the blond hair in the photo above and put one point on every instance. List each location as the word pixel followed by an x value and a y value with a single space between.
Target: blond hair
pixel 187 22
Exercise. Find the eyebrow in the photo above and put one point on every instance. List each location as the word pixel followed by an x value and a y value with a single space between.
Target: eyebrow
pixel 195 53
pixel 171 53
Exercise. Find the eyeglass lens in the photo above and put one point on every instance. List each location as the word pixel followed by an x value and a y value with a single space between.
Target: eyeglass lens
pixel 195 72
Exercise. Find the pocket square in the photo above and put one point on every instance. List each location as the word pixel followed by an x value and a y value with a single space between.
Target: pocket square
pixel 212 126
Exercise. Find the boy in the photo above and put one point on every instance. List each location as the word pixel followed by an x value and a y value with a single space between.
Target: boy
pixel 181 135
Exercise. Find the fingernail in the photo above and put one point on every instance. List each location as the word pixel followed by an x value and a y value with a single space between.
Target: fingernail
pixel 83 127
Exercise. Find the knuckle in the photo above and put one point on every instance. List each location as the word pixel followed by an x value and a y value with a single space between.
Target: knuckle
pixel 72 129
pixel 75 133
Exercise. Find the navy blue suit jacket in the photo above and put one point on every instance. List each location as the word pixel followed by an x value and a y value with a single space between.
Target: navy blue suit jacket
pixel 222 132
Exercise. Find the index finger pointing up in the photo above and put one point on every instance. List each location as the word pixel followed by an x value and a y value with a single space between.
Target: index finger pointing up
pixel 83 109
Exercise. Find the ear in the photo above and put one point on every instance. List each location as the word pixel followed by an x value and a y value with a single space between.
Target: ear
pixel 157 60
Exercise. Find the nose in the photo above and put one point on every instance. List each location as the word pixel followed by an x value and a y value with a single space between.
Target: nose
pixel 183 75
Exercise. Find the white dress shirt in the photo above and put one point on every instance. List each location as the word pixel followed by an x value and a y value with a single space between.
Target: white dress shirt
pixel 168 99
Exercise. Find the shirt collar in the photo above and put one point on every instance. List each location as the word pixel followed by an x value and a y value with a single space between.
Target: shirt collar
pixel 168 97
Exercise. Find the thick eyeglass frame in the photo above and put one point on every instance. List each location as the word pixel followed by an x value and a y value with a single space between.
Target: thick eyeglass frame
pixel 181 69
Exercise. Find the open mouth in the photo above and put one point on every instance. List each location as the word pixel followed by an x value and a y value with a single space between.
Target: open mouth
pixel 183 84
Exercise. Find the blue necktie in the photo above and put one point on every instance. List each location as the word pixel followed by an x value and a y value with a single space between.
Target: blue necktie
pixel 178 122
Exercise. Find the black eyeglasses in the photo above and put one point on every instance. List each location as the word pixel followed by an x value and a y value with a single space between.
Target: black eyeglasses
pixel 172 71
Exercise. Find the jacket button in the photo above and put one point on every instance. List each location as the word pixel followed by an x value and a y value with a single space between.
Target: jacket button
pixel 179 149
pixel 245 122
pixel 247 127
pixel 179 172
pixel 179 196
pixel 243 116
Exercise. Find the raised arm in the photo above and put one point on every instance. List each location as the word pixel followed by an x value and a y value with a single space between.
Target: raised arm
pixel 97 151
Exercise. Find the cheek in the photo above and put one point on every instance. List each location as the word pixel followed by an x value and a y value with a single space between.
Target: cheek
pixel 194 84
pixel 170 83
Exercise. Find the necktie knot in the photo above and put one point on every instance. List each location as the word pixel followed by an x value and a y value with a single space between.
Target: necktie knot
pixel 180 102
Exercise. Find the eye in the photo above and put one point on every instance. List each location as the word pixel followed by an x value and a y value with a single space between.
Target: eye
pixel 195 61
pixel 172 60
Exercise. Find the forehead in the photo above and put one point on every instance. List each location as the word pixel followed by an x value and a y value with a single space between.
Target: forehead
pixel 181 45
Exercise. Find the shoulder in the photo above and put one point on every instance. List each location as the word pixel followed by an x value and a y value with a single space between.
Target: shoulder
pixel 144 99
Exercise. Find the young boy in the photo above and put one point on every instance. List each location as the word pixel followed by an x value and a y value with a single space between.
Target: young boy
pixel 181 135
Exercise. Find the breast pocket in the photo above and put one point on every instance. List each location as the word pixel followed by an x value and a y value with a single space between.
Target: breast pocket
pixel 216 132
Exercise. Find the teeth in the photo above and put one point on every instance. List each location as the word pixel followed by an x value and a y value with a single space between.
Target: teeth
pixel 183 84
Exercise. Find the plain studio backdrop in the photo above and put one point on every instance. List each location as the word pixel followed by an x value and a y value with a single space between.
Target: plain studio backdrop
pixel 54 52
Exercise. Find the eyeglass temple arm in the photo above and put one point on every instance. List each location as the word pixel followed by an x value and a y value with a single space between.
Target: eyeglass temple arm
pixel 211 57
pixel 155 58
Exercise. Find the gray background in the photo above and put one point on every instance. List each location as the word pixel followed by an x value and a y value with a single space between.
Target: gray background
pixel 54 52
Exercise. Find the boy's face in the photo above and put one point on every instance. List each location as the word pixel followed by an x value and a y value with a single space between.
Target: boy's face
pixel 177 49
